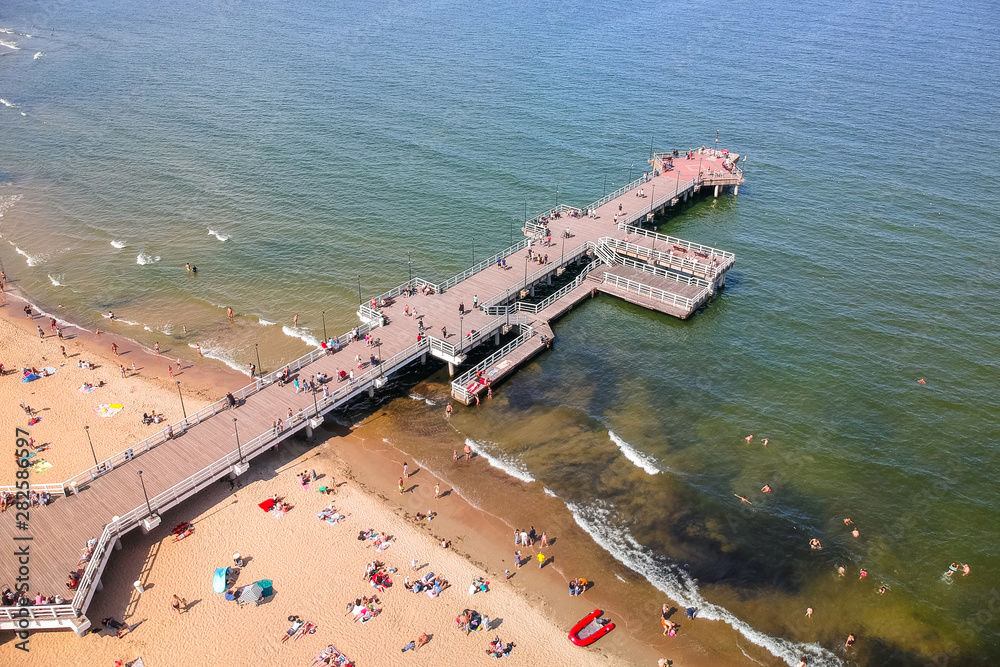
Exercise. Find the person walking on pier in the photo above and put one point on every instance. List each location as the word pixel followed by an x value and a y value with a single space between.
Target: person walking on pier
pixel 444 332
pixel 475 301
pixel 461 307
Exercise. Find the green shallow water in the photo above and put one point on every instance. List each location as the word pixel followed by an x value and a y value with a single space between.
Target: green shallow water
pixel 338 142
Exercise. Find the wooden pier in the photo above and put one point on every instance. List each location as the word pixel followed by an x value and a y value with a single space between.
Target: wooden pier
pixel 582 251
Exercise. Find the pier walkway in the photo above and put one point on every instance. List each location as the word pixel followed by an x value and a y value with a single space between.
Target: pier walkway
pixel 598 248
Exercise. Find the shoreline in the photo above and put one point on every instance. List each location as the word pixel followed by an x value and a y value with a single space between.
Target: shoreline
pixel 477 533
pixel 65 410
pixel 483 531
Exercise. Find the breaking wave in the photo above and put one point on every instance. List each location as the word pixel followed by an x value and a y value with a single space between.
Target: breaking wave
pixel 511 466
pixel 597 520
pixel 644 461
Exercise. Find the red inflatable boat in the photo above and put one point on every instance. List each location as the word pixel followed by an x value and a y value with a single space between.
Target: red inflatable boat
pixel 590 628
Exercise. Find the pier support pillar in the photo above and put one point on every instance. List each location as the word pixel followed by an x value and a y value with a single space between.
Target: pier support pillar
pixel 423 358
pixel 99 586
pixel 532 290
pixel 736 191
pixel 371 391
pixel 496 337
pixel 716 190
pixel 118 544
pixel 309 428
pixel 548 279
pixel 451 369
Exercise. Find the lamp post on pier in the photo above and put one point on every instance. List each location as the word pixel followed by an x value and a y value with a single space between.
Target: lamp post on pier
pixel 525 229
pixel 323 315
pixel 409 266
pixel 652 202
pixel 312 384
pixel 260 371
pixel 183 411
pixel 473 253
pixel 236 432
pixel 360 300
pixel 86 429
pixel 562 255
pixel 145 495
pixel 461 331
pixel 557 197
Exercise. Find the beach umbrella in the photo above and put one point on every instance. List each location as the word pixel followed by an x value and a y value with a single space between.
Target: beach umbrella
pixel 252 593
pixel 219 580
pixel 266 588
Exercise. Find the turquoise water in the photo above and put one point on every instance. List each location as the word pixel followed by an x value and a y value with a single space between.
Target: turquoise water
pixel 354 141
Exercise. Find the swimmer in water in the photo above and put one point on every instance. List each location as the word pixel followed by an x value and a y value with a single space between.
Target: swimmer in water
pixel 743 499
pixel 841 571
pixel 850 641
pixel 952 569
pixel 815 544
pixel 766 488
pixel 764 441
pixel 855 533
pixel 966 570
pixel 847 522
pixel 749 438
pixel 882 590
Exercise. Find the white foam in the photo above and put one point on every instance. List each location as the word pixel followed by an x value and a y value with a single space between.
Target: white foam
pixel 6 203
pixel 9 31
pixel 301 334
pixel 420 397
pixel 23 114
pixel 40 54
pixel 7 104
pixel 55 282
pixel 549 493
pixel 264 323
pixel 9 44
pixel 644 461
pixel 221 237
pixel 61 322
pixel 32 261
pixel 223 355
pixel 620 578
pixel 512 467
pixel 128 322
pixel 144 258
pixel 118 244
pixel 677 584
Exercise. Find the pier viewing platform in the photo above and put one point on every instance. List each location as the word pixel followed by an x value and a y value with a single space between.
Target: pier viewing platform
pixel 483 323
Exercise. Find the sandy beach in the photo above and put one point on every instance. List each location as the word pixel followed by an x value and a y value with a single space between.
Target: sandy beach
pixel 63 405
pixel 316 567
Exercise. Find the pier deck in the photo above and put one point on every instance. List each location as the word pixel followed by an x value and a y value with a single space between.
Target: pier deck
pixel 106 502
